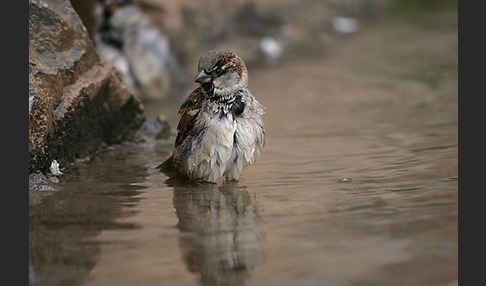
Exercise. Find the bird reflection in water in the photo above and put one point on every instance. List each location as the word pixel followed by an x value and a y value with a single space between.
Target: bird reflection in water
pixel 220 235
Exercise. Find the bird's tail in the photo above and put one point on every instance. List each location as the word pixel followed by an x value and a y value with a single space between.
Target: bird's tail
pixel 167 165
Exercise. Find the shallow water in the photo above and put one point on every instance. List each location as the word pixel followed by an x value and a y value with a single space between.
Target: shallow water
pixel 357 185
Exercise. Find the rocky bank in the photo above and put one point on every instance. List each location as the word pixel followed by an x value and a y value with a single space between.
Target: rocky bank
pixel 77 101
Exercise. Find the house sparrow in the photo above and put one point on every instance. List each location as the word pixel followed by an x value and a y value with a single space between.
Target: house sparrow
pixel 221 126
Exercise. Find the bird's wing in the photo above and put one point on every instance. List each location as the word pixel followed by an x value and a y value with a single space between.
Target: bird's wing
pixel 188 112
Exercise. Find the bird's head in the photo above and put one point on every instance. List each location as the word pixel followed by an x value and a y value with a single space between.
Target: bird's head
pixel 222 73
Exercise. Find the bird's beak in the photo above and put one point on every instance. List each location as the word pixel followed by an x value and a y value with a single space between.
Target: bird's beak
pixel 202 77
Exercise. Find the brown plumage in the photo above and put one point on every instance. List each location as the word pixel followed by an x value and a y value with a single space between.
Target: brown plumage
pixel 188 113
pixel 221 126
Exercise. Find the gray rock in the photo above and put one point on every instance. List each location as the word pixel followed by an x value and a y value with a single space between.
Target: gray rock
pixel 54 168
pixel 345 25
pixel 142 54
pixel 39 182
pixel 157 128
pixel 271 48
pixel 76 100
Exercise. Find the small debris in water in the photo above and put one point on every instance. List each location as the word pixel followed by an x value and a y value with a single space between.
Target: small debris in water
pixel 55 168
pixel 345 180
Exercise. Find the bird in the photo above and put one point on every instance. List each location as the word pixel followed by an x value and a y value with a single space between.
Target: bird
pixel 220 130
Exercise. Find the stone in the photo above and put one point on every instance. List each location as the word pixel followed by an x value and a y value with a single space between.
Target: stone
pixel 157 128
pixel 54 168
pixel 271 48
pixel 85 10
pixel 345 25
pixel 140 52
pixel 39 182
pixel 76 100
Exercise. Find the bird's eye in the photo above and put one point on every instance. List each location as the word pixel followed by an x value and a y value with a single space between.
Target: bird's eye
pixel 218 71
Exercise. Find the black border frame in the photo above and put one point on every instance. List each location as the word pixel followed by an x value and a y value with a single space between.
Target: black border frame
pixel 15 52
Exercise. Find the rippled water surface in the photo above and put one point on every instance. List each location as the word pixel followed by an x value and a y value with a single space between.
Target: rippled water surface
pixel 357 184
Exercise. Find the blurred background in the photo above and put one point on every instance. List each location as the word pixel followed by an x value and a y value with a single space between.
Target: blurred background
pixel 357 184
pixel 155 44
